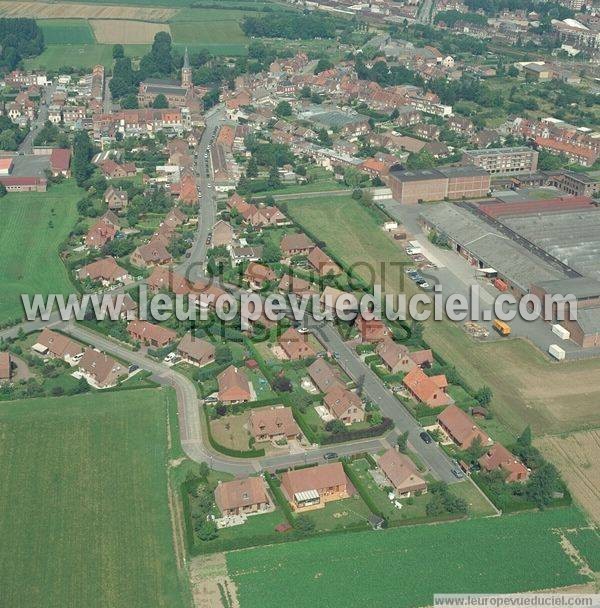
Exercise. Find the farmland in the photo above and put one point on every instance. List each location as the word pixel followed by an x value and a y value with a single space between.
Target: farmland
pixel 34 223
pixel 577 456
pixel 342 223
pixel 123 31
pixel 349 564
pixel 84 502
pixel 527 388
pixel 66 31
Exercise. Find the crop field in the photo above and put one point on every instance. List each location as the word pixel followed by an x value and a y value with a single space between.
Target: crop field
pixel 342 223
pixel 123 31
pixel 406 566
pixel 32 228
pixel 206 33
pixel 56 56
pixel 577 456
pixel 587 542
pixel 66 31
pixel 528 389
pixel 85 518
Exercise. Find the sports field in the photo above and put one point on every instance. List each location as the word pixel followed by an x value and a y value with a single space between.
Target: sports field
pixel 66 31
pixel 33 226
pixel 85 518
pixel 406 566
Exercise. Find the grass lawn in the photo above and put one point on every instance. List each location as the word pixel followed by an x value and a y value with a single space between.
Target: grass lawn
pixel 478 505
pixel 256 525
pixel 362 569
pixel 527 388
pixel 84 501
pixel 56 56
pixel 66 31
pixel 32 228
pixel 353 235
pixel 339 514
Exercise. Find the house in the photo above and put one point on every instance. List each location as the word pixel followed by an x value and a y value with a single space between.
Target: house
pixel 188 189
pixel 322 263
pixel 167 280
pixel 105 271
pixel 149 334
pixel 60 161
pixel 222 234
pixel 460 428
pixel 196 351
pixel 124 306
pixel 233 386
pixel 344 405
pixel 102 232
pixel 295 345
pixel 5 366
pixel 273 424
pixel 116 199
pixel 296 244
pixel 52 344
pixel 402 473
pixel 324 376
pixel 430 390
pixel 245 254
pixel 151 254
pixel 241 496
pixel 313 488
pixel 258 274
pixel 100 370
pixel 498 458
pixel 296 285
pixel 261 217
pixel 175 217
pixel 113 170
pixel 371 330
pixel 395 356
pixel 334 300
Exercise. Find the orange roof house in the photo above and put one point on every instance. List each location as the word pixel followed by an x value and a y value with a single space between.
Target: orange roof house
pixel 430 390
pixel 188 190
pixel 314 487
pixel 273 423
pixel 371 330
pixel 499 458
pixel 295 345
pixel 233 386
pixel 322 263
pixel 99 369
pixel 296 244
pixel 151 254
pixel 460 428
pixel 401 472
pixel 106 271
pixel 395 356
pixel 5 366
pixel 53 344
pixel 150 334
pixel 344 405
pixel 296 285
pixel 258 274
pixel 241 496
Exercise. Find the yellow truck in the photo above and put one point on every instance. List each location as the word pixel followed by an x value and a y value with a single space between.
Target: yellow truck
pixel 501 327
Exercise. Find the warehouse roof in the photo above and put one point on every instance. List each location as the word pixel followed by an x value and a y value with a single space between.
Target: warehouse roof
pixel 580 287
pixel 589 320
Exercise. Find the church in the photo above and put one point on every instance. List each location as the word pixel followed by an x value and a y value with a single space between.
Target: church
pixel 178 94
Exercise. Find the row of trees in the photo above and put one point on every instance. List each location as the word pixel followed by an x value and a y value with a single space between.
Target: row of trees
pixel 293 26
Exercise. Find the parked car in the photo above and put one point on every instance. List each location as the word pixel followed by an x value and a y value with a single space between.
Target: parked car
pixel 457 473
pixel 426 437
pixel 330 456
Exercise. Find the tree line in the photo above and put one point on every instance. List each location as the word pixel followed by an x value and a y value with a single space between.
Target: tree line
pixel 19 38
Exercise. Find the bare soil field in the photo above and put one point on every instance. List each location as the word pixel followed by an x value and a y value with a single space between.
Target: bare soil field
pixel 109 31
pixel 577 456
pixel 70 10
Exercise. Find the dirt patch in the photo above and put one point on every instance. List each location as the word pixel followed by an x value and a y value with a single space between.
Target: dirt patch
pixel 70 10
pixel 109 31
pixel 21 370
pixel 211 585
pixel 230 431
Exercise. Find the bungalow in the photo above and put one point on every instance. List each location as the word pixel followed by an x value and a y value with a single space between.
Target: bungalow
pixel 258 274
pixel 371 330
pixel 498 458
pixel 52 344
pixel 5 366
pixel 151 254
pixel 460 428
pixel 324 376
pixel 100 370
pixel 241 496
pixel 116 199
pixel 296 244
pixel 402 473
pixel 344 405
pixel 295 285
pixel 295 345
pixel 105 271
pixel 150 334
pixel 196 351
pixel 245 254
pixel 313 488
pixel 430 390
pixel 233 386
pixel 273 424
pixel 322 263
pixel 222 234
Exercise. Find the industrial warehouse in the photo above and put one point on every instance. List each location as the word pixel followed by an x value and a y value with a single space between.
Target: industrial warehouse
pixel 544 247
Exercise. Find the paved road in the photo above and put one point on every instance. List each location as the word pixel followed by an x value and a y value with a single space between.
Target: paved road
pixel 107 99
pixel 26 146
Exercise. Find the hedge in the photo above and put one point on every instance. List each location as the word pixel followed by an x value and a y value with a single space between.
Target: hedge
pixel 228 451
pixel 364 493
pixel 378 429
pixel 283 504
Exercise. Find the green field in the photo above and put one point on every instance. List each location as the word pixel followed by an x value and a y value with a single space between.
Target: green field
pixel 406 566
pixel 66 31
pixel 587 542
pixel 56 56
pixel 354 236
pixel 85 518
pixel 32 228
pixel 208 33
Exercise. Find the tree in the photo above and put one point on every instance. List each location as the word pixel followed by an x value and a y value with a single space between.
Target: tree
pixel 130 102
pixel 435 506
pixel 118 52
pixel 2 190
pixel 223 354
pixel 335 426
pixel 420 160
pixel 304 524
pixel 160 102
pixel 324 138
pixel 274 182
pixel 524 438
pixel 475 450
pixel 403 442
pixel 203 470
pixel 252 168
pixel 207 530
pixel 283 109
pixel 512 71
pixel 542 484
pixel 416 330
pixel 282 384
pixel 82 154
pixel 484 395
pixel 211 99
pixel 322 65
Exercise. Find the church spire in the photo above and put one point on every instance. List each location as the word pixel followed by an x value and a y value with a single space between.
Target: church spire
pixel 186 71
pixel 186 60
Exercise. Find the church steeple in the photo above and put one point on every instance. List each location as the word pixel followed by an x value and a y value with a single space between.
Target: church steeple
pixel 186 71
